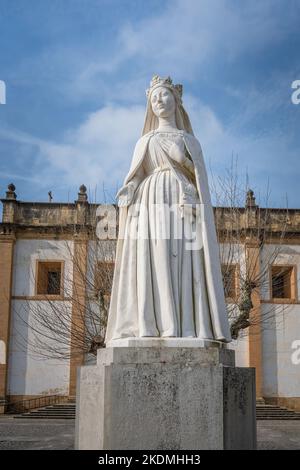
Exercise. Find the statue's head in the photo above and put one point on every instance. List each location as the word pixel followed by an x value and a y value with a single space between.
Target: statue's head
pixel 163 96
pixel 164 99
pixel 162 102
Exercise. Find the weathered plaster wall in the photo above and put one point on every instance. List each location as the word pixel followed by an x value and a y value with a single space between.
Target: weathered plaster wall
pixel 30 373
pixel 281 332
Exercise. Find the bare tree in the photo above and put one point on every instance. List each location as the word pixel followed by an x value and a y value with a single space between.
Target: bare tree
pixel 70 319
pixel 245 230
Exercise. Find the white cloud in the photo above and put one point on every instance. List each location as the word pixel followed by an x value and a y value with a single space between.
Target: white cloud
pixel 183 39
pixel 260 155
pixel 97 152
pixel 186 36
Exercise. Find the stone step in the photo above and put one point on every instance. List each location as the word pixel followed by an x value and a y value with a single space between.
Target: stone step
pixel 277 418
pixel 51 414
pixel 272 406
pixel 37 416
pixel 67 411
pixel 57 411
pixel 266 405
pixel 62 408
pixel 51 411
pixel 275 412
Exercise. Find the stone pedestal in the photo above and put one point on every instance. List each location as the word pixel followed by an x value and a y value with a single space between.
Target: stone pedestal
pixel 170 394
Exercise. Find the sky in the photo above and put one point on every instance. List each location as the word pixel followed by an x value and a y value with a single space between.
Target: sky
pixel 76 72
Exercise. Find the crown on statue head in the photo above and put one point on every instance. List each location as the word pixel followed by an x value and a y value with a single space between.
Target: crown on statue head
pixel 166 82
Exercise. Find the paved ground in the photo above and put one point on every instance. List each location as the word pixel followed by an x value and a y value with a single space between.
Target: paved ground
pixel 39 434
pixel 279 435
pixel 59 434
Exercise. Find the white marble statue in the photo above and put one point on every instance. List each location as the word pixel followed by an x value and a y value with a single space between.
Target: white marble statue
pixel 162 287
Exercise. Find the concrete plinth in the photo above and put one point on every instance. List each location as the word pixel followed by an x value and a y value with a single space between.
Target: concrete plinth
pixel 160 397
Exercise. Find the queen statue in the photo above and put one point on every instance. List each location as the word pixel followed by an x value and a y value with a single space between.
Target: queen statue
pixel 167 280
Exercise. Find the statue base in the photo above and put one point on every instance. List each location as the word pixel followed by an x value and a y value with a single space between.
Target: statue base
pixel 170 394
pixel 161 342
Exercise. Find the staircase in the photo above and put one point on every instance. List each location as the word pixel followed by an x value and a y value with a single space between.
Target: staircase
pixel 67 411
pixel 273 412
pixel 58 411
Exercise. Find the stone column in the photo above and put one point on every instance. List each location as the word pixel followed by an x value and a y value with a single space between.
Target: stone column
pixel 252 252
pixel 255 335
pixel 7 242
pixel 79 287
pixel 78 308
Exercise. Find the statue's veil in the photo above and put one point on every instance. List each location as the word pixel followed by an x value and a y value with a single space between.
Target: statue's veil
pixel 181 116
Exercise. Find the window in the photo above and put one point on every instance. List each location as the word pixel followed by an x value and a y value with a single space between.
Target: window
pixel 283 282
pixel 49 278
pixel 230 280
pixel 104 271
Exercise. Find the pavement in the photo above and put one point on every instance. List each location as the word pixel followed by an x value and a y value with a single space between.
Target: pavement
pixel 41 434
pixel 278 435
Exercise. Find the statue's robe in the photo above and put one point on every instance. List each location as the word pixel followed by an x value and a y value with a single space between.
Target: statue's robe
pixel 215 290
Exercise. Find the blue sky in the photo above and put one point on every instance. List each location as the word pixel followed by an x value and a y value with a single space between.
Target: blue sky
pixel 76 73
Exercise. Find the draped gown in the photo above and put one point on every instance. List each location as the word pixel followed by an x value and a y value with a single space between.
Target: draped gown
pixel 162 289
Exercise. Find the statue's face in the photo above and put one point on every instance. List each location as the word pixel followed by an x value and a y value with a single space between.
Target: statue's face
pixel 163 102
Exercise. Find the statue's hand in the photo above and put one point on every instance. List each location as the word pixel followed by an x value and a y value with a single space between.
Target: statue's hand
pixel 177 151
pixel 125 194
